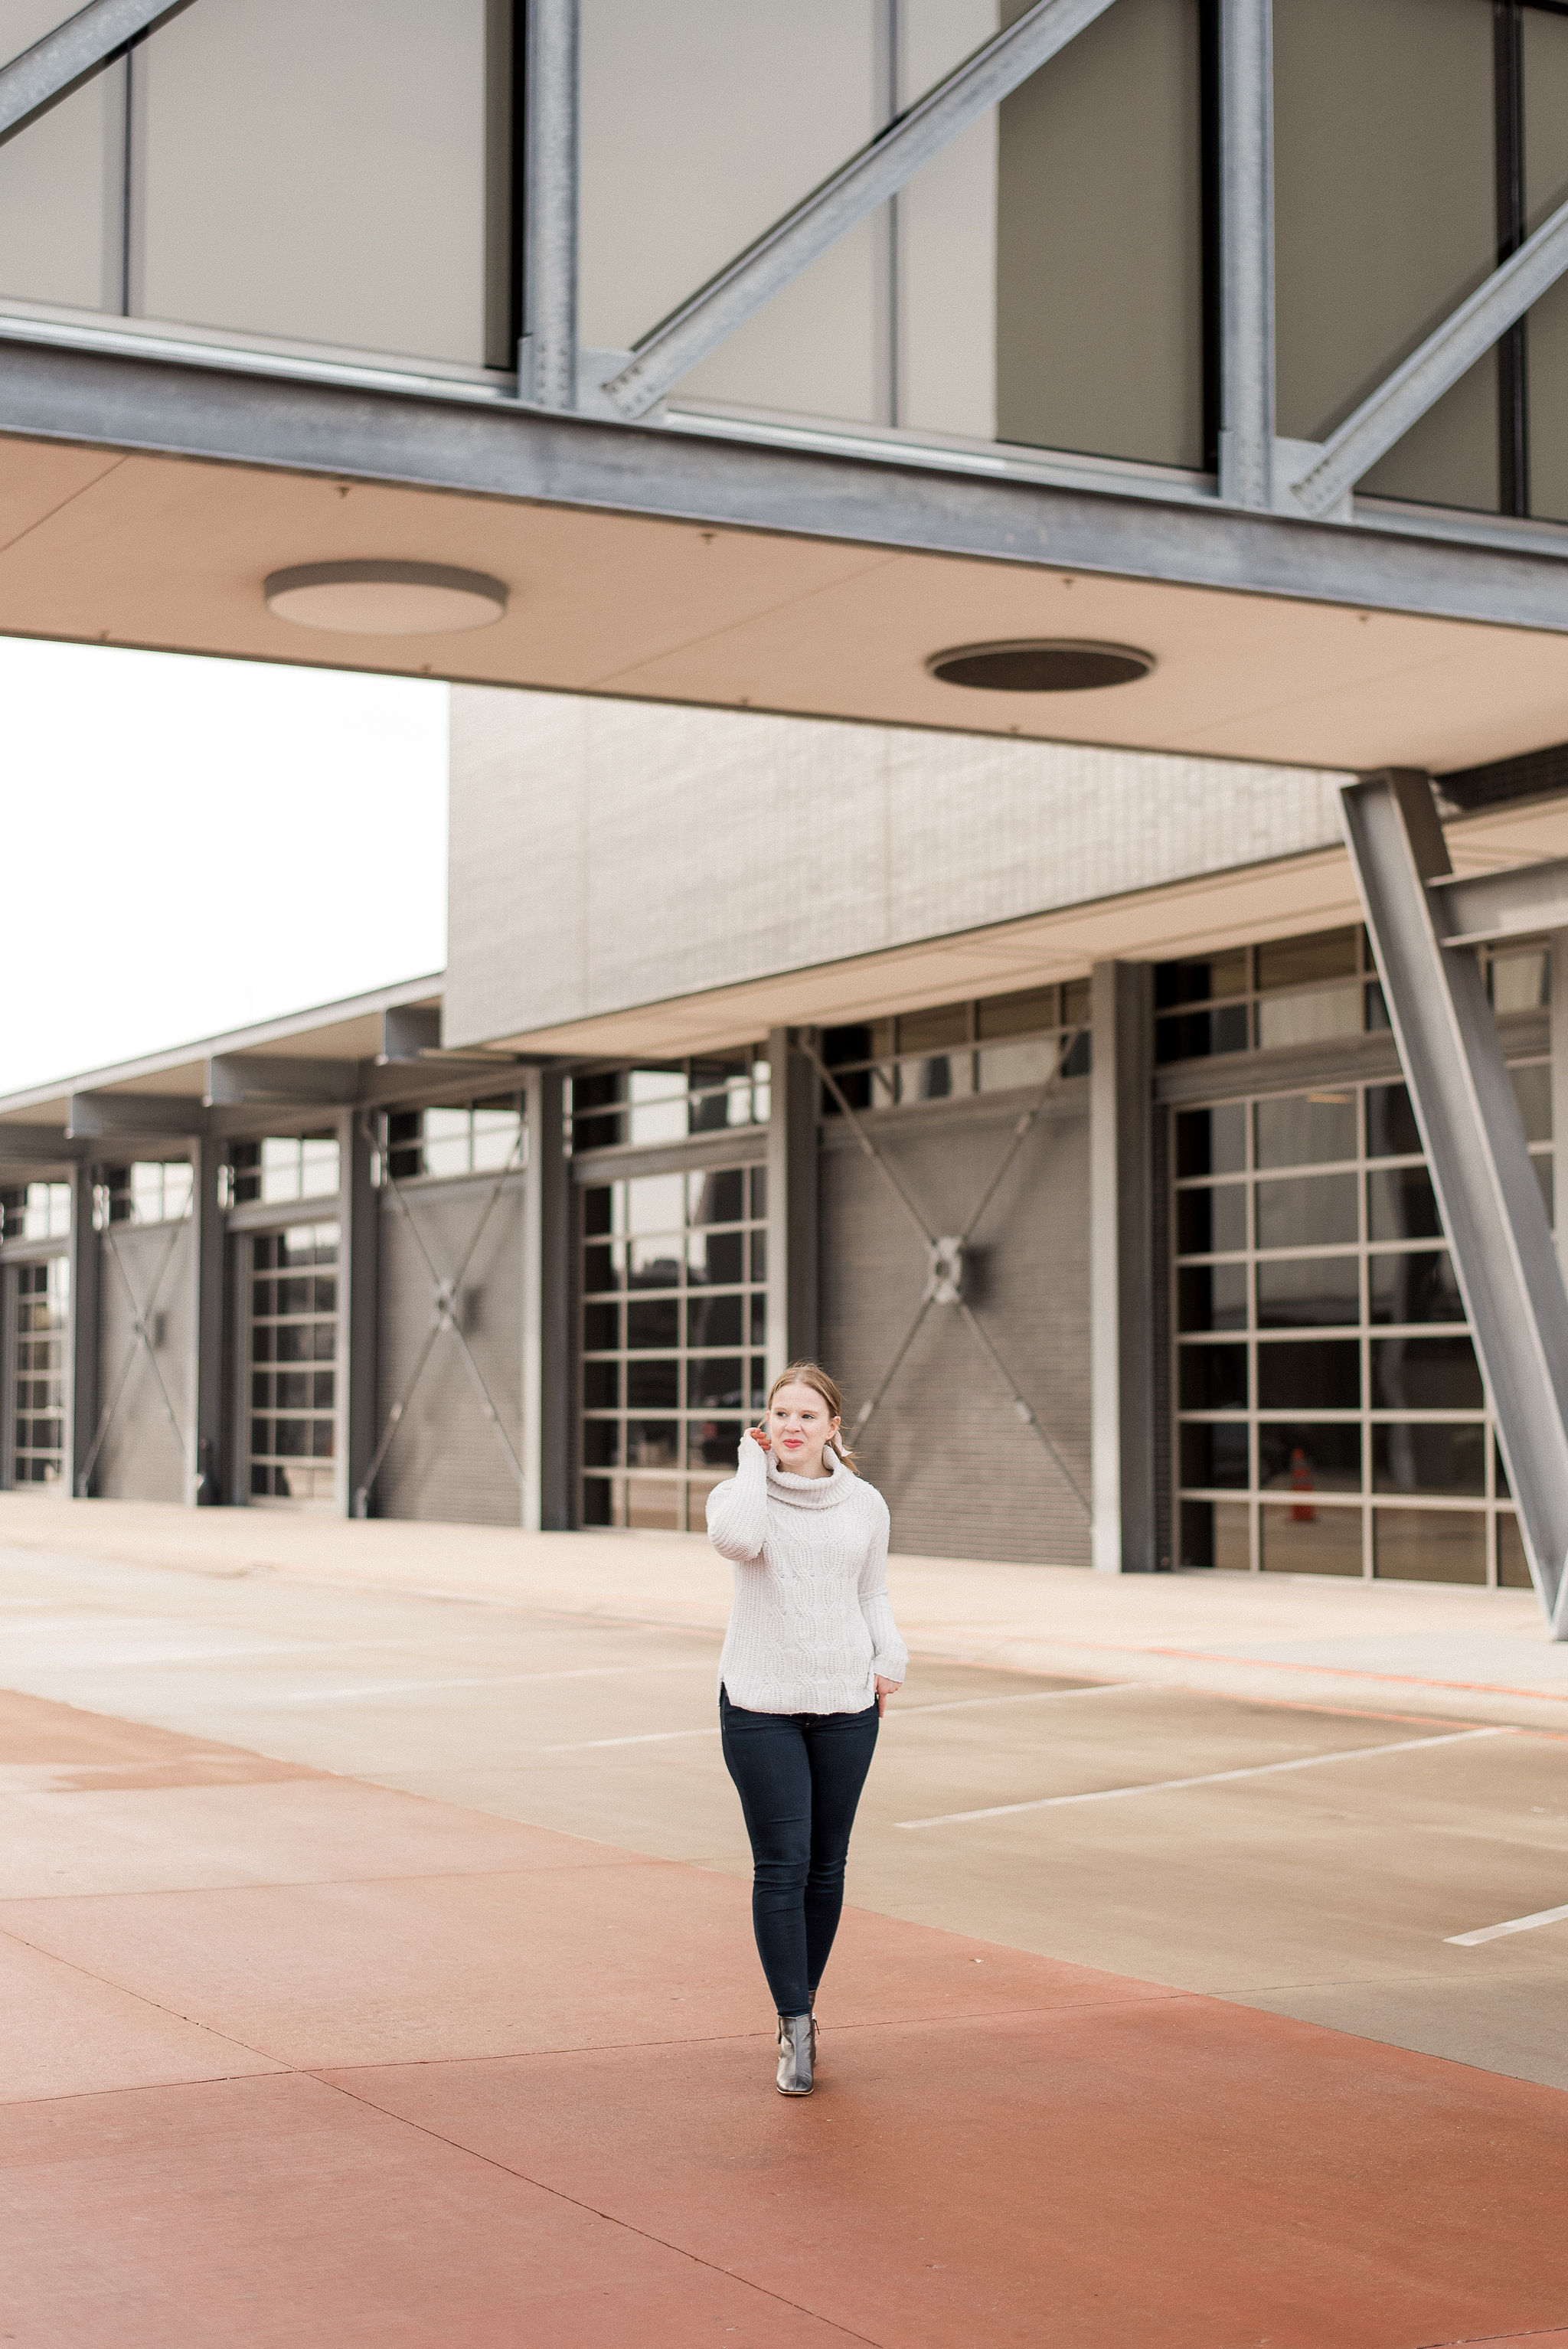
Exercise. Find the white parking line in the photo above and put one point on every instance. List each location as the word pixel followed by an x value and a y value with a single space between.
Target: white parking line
pixel 1209 1778
pixel 896 1712
pixel 1514 1925
pixel 483 1680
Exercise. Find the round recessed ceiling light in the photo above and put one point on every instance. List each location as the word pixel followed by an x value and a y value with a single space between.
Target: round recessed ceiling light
pixel 386 599
pixel 1040 665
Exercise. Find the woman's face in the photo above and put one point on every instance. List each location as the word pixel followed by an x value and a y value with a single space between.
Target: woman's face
pixel 799 1424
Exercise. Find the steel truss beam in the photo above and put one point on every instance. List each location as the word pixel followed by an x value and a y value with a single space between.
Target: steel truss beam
pixel 235 1078
pixel 446 1295
pixel 1246 243
pixel 1476 906
pixel 54 65
pixel 1474 1140
pixel 944 1259
pixel 1466 334
pixel 857 190
pixel 130 1117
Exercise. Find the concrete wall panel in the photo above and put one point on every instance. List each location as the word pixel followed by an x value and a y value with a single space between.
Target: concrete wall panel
pixel 140 1459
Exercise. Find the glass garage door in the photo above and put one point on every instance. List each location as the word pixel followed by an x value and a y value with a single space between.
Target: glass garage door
pixel 39 1314
pixel 292 1370
pixel 672 1278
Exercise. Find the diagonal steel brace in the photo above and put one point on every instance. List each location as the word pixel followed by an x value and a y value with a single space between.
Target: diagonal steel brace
pixel 140 1343
pixel 445 1293
pixel 945 1256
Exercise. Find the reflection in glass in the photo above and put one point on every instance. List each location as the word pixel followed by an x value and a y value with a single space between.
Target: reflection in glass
pixel 1005 1067
pixel 1196 1035
pixel 1215 1452
pixel 1200 982
pixel 716 1378
pixel 1297 962
pixel 716 1320
pixel 1306 1211
pixel 713 1443
pixel 1212 1222
pixel 1417 1285
pixel 1427 1456
pixel 1425 1374
pixel 1314 1017
pixel 717 1260
pixel 651 1443
pixel 652 1384
pixel 1310 1374
pixel 1428 1545
pixel 1214 1534
pixel 654 1264
pixel 1309 1456
pixel 717 1198
pixel 1211 1297
pixel 1302 1538
pixel 1390 1123
pixel 1401 1204
pixel 1304 1292
pixel 653 1324
pixel 1213 1378
pixel 1305 1129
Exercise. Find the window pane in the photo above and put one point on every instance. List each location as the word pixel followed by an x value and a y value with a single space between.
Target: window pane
pixel 1390 1123
pixel 1428 1545
pixel 1211 1297
pixel 930 1031
pixel 654 1263
pixel 653 1504
pixel 1425 1374
pixel 1314 1017
pixel 718 1197
pixel 1305 1539
pixel 1416 1286
pixel 1211 1141
pixel 1306 1210
pixel 1519 982
pixel 1309 1456
pixel 602 1267
pixel 1199 982
pixel 1215 1452
pixel 1512 1565
pixel 653 1385
pixel 1016 1015
pixel 1306 1129
pixel 1422 1457
pixel 654 1203
pixel 653 1324
pixel 1320 1374
pixel 1401 1204
pixel 1212 1222
pixel 716 1378
pixel 600 1327
pixel 1532 1092
pixel 717 1260
pixel 601 1443
pixel 1298 1292
pixel 653 1443
pixel 1004 1067
pixel 717 1320
pixel 1214 1378
pixel 1215 1533
pixel 1296 962
pixel 1198 1035
pixel 597 1497
pixel 600 1385
pixel 714 1443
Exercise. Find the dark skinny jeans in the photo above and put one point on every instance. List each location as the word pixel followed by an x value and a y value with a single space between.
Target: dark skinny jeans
pixel 798 1776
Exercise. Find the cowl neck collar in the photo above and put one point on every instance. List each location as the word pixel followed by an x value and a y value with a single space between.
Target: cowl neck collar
pixel 811 1492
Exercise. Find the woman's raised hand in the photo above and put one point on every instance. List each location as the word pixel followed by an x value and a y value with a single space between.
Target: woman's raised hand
pixel 760 1435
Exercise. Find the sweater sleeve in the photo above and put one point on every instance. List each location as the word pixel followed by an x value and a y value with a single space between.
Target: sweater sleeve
pixel 737 1511
pixel 892 1657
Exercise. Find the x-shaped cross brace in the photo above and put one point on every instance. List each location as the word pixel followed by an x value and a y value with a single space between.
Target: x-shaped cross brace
pixel 445 1295
pixel 142 1326
pixel 945 1258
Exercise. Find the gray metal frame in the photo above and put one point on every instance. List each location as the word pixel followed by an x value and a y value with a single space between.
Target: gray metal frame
pixel 47 72
pixel 1470 1126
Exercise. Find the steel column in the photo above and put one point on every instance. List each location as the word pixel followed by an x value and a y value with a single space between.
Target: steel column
pixel 547 1385
pixel 1121 1271
pixel 1471 1130
pixel 1559 1023
pixel 547 361
pixel 211 1332
pixel 792 1205
pixel 86 1261
pixel 1246 248
pixel 358 1262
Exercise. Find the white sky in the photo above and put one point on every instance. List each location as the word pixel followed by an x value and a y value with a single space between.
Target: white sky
pixel 190 846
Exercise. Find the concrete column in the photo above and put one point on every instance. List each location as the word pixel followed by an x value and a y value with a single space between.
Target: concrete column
pixel 546 1309
pixel 1121 1298
pixel 792 1205
pixel 207 1469
pixel 87 1254
pixel 358 1275
pixel 1559 947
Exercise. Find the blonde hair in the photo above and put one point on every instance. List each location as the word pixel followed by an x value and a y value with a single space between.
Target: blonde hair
pixel 812 1375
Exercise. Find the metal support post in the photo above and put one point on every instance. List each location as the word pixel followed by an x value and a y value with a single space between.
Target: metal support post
pixel 792 1205
pixel 546 1309
pixel 206 1467
pixel 359 1260
pixel 1471 1130
pixel 547 361
pixel 1559 1020
pixel 85 1253
pixel 1122 1272
pixel 1246 242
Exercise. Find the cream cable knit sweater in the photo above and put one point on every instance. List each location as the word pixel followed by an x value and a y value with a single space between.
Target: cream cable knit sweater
pixel 812 1625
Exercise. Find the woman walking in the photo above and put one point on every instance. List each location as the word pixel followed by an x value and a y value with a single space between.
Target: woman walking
pixel 810 1654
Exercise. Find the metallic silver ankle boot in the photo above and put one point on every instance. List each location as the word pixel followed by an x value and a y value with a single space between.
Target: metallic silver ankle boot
pixel 797 2054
